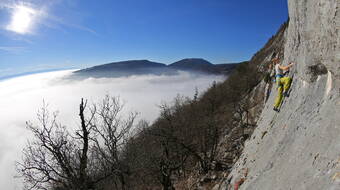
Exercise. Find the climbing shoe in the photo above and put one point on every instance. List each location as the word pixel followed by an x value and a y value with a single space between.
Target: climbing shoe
pixel 276 109
pixel 286 94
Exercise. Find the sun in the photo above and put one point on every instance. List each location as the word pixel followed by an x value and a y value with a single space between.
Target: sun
pixel 22 19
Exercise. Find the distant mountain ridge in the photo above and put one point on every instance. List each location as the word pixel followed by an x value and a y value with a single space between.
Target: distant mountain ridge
pixel 136 64
pixel 195 64
pixel 139 67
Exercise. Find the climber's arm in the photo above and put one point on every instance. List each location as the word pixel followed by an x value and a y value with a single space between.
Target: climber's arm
pixel 285 68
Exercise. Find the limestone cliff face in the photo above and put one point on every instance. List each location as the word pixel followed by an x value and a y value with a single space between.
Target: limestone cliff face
pixel 299 147
pixel 313 36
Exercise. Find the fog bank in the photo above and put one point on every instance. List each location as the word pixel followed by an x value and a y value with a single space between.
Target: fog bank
pixel 21 97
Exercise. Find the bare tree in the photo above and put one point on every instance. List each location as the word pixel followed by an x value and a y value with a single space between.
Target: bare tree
pixel 58 158
pixel 112 134
pixel 189 129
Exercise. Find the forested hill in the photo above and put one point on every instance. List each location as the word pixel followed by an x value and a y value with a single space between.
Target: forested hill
pixel 139 67
pixel 196 140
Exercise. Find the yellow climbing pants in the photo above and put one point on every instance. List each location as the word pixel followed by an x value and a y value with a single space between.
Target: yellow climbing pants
pixel 283 84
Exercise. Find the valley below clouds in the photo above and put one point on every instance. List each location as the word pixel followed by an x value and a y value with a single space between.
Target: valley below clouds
pixel 20 99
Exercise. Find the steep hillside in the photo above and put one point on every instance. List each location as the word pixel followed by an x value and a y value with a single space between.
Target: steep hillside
pixel 298 148
pixel 246 110
pixel 226 68
pixel 195 142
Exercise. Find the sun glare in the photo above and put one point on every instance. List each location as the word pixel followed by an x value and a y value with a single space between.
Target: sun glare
pixel 22 19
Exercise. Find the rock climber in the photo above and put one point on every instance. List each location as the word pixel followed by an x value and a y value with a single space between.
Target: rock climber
pixel 283 83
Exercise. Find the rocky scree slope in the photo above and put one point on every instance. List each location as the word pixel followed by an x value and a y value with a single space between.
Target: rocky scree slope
pixel 299 147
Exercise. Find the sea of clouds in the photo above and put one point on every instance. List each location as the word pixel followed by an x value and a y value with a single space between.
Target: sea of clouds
pixel 20 99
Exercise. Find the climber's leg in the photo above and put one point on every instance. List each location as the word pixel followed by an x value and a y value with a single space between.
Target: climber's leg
pixel 278 97
pixel 286 81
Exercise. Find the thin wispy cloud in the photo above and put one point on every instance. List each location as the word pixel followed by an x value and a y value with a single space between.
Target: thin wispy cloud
pixel 6 70
pixel 5 4
pixel 60 24
pixel 12 49
pixel 83 28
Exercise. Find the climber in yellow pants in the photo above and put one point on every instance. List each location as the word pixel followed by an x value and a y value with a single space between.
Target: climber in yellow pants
pixel 283 83
pixel 283 86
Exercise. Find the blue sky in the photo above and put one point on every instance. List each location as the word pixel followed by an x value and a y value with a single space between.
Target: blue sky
pixel 38 34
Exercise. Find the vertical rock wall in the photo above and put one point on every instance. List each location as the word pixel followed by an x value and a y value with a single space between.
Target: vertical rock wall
pixel 313 36
pixel 299 147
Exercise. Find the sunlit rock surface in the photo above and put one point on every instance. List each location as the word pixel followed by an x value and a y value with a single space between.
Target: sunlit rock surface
pixel 299 147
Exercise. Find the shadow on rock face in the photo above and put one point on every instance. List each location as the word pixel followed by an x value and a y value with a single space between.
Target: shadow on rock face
pixel 315 70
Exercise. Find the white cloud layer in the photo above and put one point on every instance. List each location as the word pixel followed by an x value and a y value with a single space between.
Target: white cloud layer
pixel 20 98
